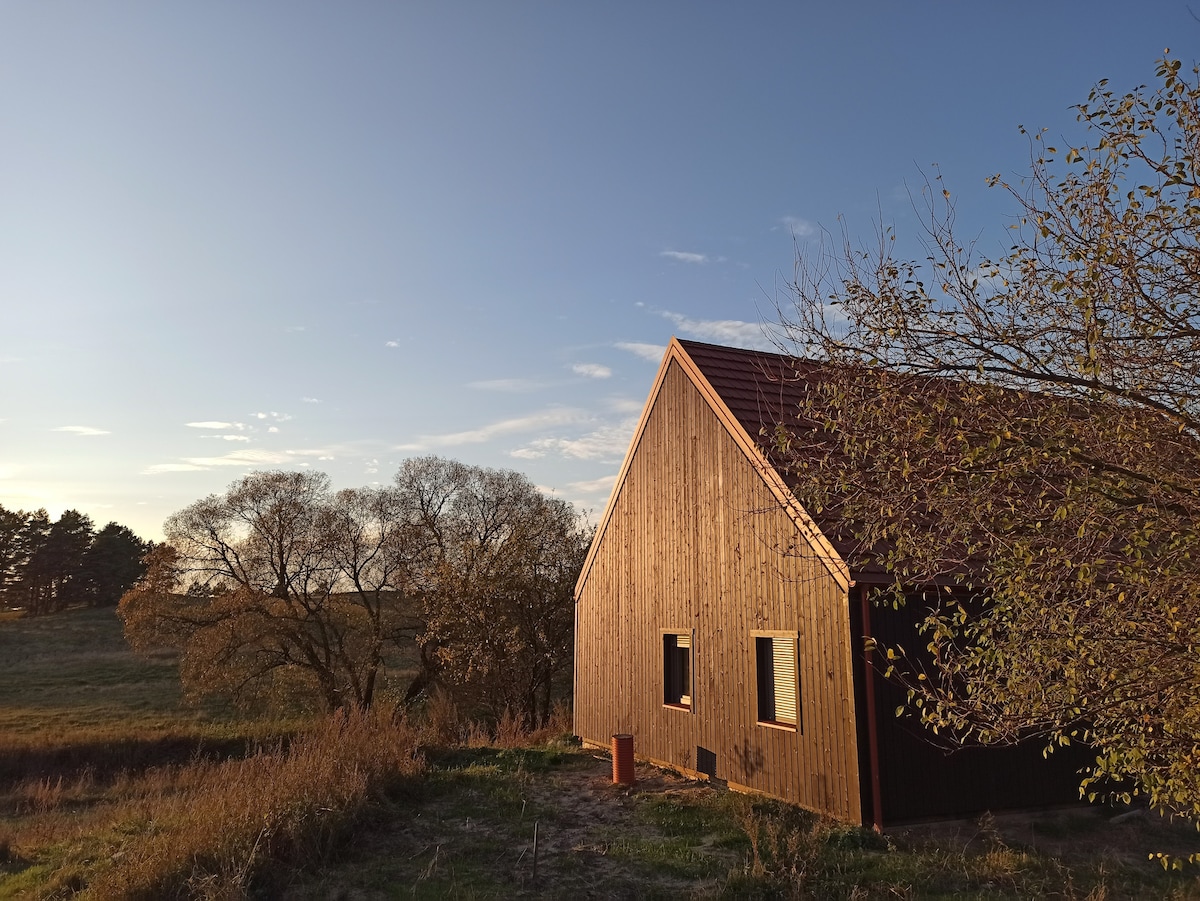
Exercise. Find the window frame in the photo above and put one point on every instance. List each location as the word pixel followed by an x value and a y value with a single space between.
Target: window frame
pixel 672 678
pixel 766 646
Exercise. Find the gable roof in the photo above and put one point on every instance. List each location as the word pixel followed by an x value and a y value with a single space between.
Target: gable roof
pixel 760 389
pixel 750 392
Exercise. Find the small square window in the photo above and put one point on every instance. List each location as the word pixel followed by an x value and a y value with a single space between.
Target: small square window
pixel 778 694
pixel 677 669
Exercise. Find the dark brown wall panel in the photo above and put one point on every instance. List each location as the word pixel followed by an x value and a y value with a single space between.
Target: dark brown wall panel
pixel 920 779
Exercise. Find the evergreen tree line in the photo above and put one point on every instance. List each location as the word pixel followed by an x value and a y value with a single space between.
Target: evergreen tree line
pixel 49 566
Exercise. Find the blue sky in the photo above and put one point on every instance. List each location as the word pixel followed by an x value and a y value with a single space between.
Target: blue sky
pixel 239 236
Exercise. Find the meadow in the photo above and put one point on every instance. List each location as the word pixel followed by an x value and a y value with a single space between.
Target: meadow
pixel 111 788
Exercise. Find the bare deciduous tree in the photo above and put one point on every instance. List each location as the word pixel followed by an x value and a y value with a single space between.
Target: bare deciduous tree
pixel 297 592
pixel 501 613
pixel 291 591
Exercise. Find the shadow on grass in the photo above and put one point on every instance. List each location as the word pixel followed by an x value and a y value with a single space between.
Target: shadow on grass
pixel 504 760
pixel 105 757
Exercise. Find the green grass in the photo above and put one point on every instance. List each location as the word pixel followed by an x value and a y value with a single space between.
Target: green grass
pixel 76 670
pixel 77 699
pixel 479 806
pixel 698 820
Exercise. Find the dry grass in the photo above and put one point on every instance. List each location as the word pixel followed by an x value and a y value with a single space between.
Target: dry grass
pixel 447 726
pixel 110 788
pixel 207 829
pixel 219 827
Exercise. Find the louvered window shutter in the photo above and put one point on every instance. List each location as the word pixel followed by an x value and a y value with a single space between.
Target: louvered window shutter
pixel 677 669
pixel 783 660
pixel 684 644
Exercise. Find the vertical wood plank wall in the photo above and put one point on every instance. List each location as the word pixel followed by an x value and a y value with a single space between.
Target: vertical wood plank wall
pixel 695 540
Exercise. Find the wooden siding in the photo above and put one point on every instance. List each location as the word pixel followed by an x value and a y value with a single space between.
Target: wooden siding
pixel 695 540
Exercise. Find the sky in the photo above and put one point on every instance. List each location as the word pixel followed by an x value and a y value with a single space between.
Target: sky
pixel 279 235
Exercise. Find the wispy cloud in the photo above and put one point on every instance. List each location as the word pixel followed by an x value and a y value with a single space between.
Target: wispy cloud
pixel 227 437
pixel 591 370
pixel 248 457
pixel 160 468
pixel 683 256
pixel 651 352
pixel 321 453
pixel 625 405
pixel 548 418
pixel 215 424
pixel 801 228
pixel 515 386
pixel 595 486
pixel 254 457
pixel 608 442
pixel 275 417
pixel 311 400
pixel 392 344
pixel 81 430
pixel 723 331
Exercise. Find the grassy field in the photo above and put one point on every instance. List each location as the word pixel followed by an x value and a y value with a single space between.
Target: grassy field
pixel 75 698
pixel 109 788
pixel 74 670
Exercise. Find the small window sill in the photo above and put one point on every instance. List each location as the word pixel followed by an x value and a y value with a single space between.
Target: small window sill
pixel 783 727
pixel 687 707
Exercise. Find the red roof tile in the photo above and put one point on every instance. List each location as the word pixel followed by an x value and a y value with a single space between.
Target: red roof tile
pixel 761 389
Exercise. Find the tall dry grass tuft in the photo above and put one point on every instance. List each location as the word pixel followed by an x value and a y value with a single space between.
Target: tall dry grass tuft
pixel 443 722
pixel 511 732
pixel 230 824
pixel 446 726
pixel 559 728
pixel 786 844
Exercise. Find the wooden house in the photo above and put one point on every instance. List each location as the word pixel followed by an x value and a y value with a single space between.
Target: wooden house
pixel 719 624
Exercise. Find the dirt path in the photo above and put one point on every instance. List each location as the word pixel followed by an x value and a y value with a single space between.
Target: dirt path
pixel 594 840
pixel 593 818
